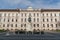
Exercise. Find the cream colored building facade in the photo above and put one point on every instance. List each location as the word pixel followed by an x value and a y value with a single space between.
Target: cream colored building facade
pixel 41 19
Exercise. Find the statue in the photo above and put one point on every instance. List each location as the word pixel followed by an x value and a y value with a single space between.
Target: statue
pixel 29 24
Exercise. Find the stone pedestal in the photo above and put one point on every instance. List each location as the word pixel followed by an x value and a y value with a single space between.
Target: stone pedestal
pixel 29 27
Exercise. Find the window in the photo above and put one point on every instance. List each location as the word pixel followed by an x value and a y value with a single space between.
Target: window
pixel 34 19
pixel 0 15
pixel 21 19
pixel 3 25
pixel 12 20
pixel 51 25
pixel 11 25
pixel 43 25
pixel 9 14
pixel 43 20
pixel 7 25
pixel 47 20
pixel 29 14
pixel 25 19
pixel 21 14
pixel 43 14
pixel 4 19
pixel 16 20
pixel 21 25
pixel 51 20
pixel 5 15
pixel 16 14
pixel 24 25
pixel 47 14
pixel 0 19
pixel 55 15
pixel 34 14
pixel 37 25
pixel 37 19
pixel 51 14
pixel 55 20
pixel 25 14
pixel 8 20
pixel 15 25
pixel 59 14
pixel 47 25
pixel 56 25
pixel 37 14
pixel 34 25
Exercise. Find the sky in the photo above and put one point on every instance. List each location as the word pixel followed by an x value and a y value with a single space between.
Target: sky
pixel 13 4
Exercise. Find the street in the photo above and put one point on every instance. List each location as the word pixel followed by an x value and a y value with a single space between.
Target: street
pixel 45 36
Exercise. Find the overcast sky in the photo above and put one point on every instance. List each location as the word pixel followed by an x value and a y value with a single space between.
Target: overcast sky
pixel 5 4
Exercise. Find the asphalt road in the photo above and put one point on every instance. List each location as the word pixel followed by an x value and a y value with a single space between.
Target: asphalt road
pixel 46 36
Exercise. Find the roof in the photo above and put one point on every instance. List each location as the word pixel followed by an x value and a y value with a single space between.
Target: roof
pixel 9 10
pixel 25 10
pixel 50 10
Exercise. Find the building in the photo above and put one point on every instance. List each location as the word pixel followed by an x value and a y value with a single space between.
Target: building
pixel 41 19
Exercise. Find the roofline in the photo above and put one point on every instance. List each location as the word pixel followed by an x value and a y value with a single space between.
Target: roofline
pixel 24 10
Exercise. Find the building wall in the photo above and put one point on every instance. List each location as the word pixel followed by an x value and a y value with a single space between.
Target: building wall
pixel 39 20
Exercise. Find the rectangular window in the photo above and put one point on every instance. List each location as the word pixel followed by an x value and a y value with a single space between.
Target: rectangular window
pixel 47 25
pixel 8 20
pixel 34 19
pixel 25 19
pixel 0 15
pixel 43 20
pixel 37 14
pixel 51 20
pixel 7 25
pixel 5 15
pixel 55 15
pixel 43 14
pixel 47 20
pixel 59 14
pixel 16 20
pixel 56 25
pixel 12 20
pixel 37 19
pixel 9 14
pixel 11 25
pixel 47 14
pixel 24 25
pixel 21 14
pixel 51 25
pixel 34 25
pixel 25 14
pixel 55 20
pixel 51 14
pixel 43 25
pixel 4 19
pixel 15 25
pixel 3 25
pixel 21 19
pixel 0 19
pixel 21 25
pixel 37 25
pixel 16 15
pixel 34 14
